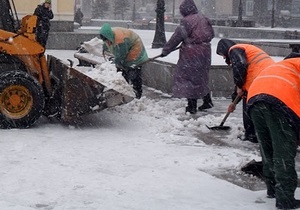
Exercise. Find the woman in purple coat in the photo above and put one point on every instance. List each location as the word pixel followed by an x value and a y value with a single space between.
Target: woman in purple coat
pixel 192 72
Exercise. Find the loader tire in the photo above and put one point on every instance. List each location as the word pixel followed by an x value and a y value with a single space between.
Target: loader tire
pixel 21 100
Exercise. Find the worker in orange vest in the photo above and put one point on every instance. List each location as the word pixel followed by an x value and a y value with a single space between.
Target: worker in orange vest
pixel 274 106
pixel 246 61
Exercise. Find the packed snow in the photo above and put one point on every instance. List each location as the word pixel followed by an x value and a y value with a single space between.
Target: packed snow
pixel 107 75
pixel 93 46
pixel 143 155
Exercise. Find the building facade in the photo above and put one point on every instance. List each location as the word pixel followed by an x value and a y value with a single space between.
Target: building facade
pixel 63 11
pixel 286 13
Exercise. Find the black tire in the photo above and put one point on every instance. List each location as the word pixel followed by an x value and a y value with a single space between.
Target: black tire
pixel 21 100
pixel 9 62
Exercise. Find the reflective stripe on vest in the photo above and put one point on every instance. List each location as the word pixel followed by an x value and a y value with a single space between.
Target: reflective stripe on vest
pixel 260 59
pixel 280 81
pixel 257 60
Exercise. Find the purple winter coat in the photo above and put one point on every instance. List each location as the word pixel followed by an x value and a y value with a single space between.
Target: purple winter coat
pixel 192 72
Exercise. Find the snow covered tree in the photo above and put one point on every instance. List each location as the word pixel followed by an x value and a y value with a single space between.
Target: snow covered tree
pixel 100 8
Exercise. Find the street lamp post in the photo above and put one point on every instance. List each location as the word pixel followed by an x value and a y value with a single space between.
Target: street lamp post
pixel 273 14
pixel 240 15
pixel 160 36
pixel 133 11
pixel 173 11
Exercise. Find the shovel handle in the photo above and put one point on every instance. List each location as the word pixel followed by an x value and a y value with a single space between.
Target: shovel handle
pixel 225 118
pixel 150 59
pixel 155 57
pixel 237 98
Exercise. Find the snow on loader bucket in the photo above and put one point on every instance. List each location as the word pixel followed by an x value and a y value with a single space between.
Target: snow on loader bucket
pixel 80 94
pixel 23 99
pixel 32 86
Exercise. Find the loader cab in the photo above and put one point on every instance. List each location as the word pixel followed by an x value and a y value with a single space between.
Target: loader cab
pixel 8 16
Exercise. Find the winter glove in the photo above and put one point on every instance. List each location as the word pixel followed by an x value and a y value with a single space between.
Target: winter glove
pixel 111 58
pixel 120 68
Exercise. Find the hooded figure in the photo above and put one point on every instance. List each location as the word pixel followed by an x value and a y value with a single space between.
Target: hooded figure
pixel 191 78
pixel 273 104
pixel 78 16
pixel 246 61
pixel 44 14
pixel 126 46
pixel 223 48
pixel 128 50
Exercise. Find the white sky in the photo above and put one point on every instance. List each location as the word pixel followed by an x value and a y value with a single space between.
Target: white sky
pixel 143 155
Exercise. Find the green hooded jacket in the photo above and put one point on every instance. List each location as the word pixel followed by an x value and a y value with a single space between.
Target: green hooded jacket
pixel 126 46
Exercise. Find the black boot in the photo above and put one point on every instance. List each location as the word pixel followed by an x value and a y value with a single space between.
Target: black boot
pixel 270 188
pixel 138 93
pixel 192 106
pixel 207 103
pixel 137 82
pixel 251 138
pixel 294 204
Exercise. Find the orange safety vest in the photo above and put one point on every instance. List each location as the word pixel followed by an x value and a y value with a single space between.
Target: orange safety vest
pixel 282 81
pixel 257 60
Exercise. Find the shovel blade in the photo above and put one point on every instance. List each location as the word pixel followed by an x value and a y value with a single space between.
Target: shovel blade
pixel 218 127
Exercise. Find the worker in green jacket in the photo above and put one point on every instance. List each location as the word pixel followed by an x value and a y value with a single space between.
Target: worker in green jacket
pixel 128 51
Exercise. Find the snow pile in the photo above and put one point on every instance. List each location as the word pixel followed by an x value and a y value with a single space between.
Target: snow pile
pixel 93 52
pixel 107 75
pixel 90 58
pixel 94 46
pixel 146 154
pixel 168 120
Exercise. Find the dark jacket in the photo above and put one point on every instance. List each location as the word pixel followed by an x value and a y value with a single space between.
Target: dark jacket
pixel 78 16
pixel 44 16
pixel 246 61
pixel 194 33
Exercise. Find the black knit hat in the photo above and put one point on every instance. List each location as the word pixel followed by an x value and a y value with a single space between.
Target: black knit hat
pixel 223 47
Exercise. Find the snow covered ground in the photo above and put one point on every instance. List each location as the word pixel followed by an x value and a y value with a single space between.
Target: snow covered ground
pixel 144 155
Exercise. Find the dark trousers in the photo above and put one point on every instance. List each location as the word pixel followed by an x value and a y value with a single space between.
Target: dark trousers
pixel 248 124
pixel 192 103
pixel 42 34
pixel 278 144
pixel 134 76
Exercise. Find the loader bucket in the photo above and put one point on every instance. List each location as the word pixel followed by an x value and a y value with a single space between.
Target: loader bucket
pixel 79 94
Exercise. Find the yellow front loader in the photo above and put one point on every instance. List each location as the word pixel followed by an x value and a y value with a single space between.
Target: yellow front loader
pixel 32 85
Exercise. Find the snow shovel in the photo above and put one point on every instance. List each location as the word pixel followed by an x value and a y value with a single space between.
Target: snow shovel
pixel 150 59
pixel 221 126
pixel 155 57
